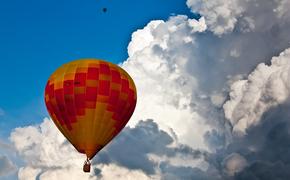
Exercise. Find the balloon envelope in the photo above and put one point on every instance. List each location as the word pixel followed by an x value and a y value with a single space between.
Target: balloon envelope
pixel 90 101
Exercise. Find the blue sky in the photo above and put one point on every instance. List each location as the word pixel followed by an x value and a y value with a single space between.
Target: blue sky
pixel 39 36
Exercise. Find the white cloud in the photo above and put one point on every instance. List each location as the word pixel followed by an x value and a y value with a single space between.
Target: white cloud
pixel 53 173
pixel 282 8
pixel 266 87
pixel 158 67
pixel 28 173
pixel 48 155
pixel 113 171
pixel 197 25
pixel 140 42
pixel 220 15
pixel 152 147
pixel 223 16
pixel 182 70
pixel 108 172
pixel 37 147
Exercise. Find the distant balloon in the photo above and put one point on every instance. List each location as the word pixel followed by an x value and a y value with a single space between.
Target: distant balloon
pixel 90 101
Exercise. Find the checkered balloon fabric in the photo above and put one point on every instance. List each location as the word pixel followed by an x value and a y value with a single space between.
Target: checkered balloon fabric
pixel 90 101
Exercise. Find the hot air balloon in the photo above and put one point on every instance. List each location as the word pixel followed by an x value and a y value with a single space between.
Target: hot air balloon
pixel 90 101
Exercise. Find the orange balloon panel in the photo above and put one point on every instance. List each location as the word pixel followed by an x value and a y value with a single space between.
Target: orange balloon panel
pixel 90 101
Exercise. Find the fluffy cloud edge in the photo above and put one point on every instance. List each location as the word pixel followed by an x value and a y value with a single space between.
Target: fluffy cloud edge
pixel 265 87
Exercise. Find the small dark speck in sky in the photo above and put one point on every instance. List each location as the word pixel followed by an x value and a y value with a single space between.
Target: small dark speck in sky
pixel 104 9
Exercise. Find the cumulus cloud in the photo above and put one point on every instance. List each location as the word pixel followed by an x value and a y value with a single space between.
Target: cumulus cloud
pixel 158 67
pixel 266 146
pixel 185 71
pixel 141 152
pixel 221 15
pixel 226 16
pixel 113 171
pixel 234 40
pixel 152 147
pixel 46 153
pixel 266 86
